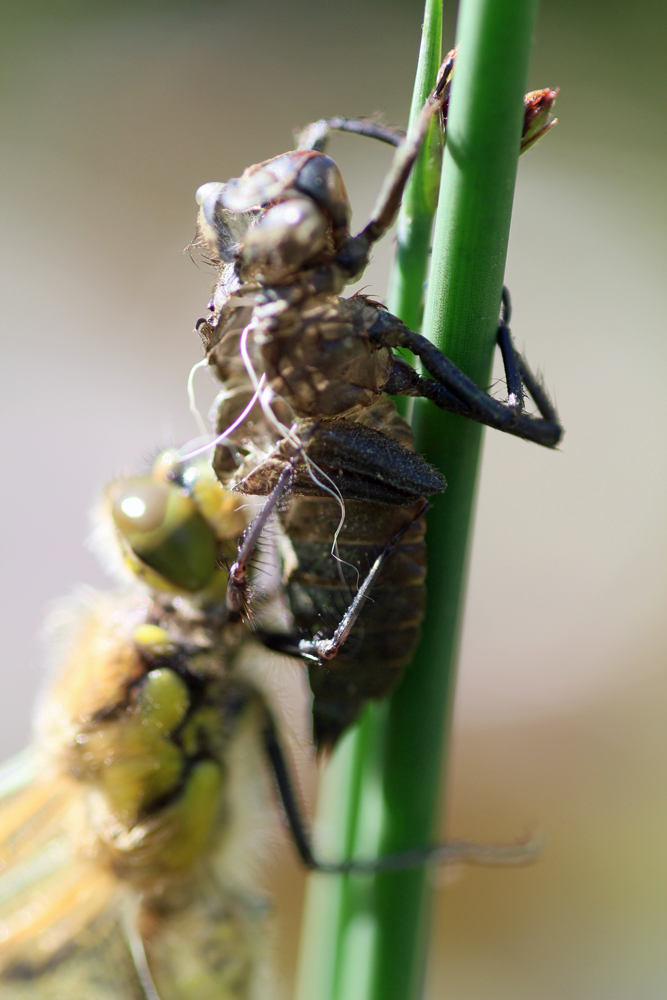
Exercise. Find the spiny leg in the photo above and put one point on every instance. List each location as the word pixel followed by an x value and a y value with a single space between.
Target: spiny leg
pixel 237 584
pixel 389 199
pixel 327 649
pixel 453 390
pixel 455 851
pixel 517 372
pixel 316 135
pixel 354 254
pixel 504 339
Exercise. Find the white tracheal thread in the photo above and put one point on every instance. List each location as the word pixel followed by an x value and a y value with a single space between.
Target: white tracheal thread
pixel 265 394
pixel 191 396
pixel 222 437
pixel 287 432
pixel 135 942
pixel 338 497
pixel 223 397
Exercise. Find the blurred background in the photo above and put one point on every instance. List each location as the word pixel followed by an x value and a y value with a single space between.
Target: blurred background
pixel 113 114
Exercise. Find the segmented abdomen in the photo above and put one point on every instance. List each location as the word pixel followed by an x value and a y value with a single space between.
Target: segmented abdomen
pixel 319 589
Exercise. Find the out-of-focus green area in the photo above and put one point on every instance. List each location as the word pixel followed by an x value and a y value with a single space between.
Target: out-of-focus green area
pixel 112 115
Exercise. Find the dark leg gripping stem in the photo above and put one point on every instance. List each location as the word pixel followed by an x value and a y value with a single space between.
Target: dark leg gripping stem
pixel 456 851
pixel 452 390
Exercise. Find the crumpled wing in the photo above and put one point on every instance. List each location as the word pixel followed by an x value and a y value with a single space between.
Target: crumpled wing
pixel 59 934
pixel 71 930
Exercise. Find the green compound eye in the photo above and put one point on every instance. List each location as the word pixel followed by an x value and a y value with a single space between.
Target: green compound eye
pixel 165 530
pixel 141 507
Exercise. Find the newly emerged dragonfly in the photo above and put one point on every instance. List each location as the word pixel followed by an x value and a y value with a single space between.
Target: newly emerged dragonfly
pixel 129 833
pixel 305 408
pixel 115 836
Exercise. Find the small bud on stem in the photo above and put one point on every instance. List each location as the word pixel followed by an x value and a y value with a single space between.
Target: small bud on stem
pixel 538 104
pixel 537 119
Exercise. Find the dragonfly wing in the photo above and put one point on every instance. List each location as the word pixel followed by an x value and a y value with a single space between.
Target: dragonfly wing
pixel 64 929
pixel 101 968
pixel 55 902
pixel 17 772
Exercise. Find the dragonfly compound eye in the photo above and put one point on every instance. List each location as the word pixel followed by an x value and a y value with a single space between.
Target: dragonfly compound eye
pixel 322 181
pixel 302 172
pixel 163 529
pixel 285 238
pixel 264 183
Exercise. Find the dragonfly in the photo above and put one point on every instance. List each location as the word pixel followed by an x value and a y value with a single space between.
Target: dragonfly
pixel 131 830
pixel 116 828
pixel 305 408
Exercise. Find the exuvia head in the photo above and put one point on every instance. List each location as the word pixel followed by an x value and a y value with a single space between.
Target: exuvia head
pixel 280 216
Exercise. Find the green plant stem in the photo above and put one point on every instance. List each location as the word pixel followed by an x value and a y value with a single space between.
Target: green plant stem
pixel 366 937
pixel 414 225
pixel 327 934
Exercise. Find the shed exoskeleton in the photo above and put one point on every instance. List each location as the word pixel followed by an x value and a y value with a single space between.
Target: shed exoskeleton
pixel 307 375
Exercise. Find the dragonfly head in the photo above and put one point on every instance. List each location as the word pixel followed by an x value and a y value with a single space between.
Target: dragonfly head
pixel 279 217
pixel 177 526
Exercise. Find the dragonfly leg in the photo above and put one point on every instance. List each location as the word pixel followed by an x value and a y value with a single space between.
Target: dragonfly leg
pixel 453 390
pixel 521 852
pixel 320 649
pixel 389 199
pixel 238 583
pixel 316 135
pixel 326 649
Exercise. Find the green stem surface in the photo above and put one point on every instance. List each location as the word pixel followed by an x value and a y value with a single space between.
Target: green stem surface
pixel 405 296
pixel 365 938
